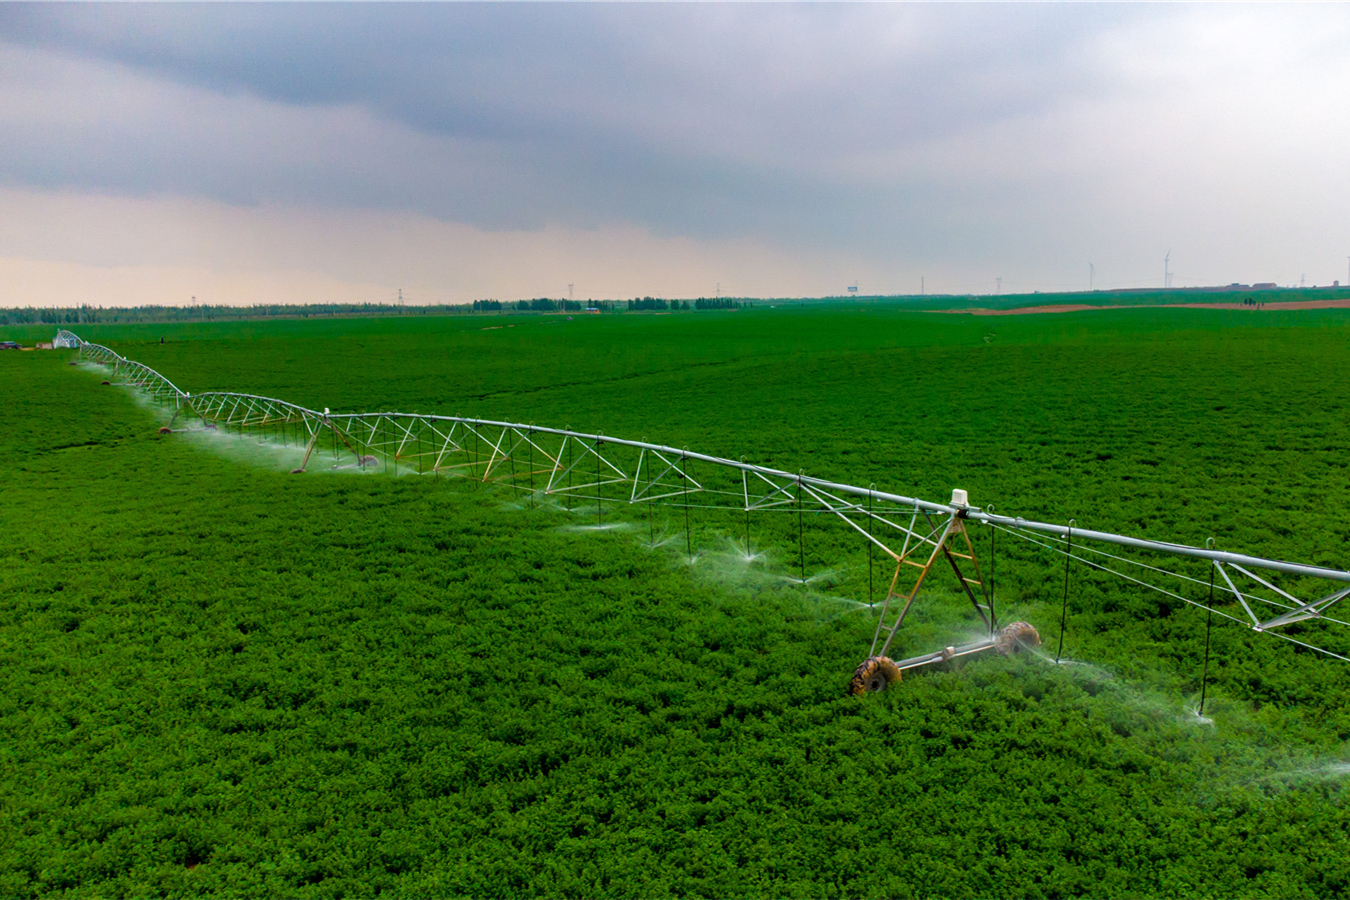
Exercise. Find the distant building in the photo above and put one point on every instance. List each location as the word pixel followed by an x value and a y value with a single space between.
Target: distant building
pixel 1265 285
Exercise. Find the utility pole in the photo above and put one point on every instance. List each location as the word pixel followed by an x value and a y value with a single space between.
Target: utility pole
pixel 1167 275
pixel 1092 272
pixel 569 292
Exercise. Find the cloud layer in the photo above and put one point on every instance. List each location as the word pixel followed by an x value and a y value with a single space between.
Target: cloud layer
pixel 507 150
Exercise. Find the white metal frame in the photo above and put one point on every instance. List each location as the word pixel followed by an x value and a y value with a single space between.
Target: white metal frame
pixel 915 534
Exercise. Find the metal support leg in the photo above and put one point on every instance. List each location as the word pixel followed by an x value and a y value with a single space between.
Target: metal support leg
pixel 871 549
pixel 1064 608
pixel 684 481
pixel 309 448
pixel 1209 625
pixel 801 538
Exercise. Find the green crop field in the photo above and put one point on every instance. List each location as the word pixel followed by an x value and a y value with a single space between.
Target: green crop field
pixel 217 677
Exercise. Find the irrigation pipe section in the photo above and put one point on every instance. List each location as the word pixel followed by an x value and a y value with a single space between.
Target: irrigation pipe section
pixel 935 532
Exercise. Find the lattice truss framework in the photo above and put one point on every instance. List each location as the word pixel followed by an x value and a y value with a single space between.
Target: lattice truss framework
pixel 913 537
pixel 124 370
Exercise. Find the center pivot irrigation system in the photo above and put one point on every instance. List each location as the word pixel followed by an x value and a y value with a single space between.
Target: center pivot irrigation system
pixel 914 536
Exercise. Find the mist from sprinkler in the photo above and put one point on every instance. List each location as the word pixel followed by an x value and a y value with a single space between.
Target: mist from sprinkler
pixel 1134 696
pixel 258 448
pixel 736 564
pixel 1304 773
pixel 597 528
pixel 1193 717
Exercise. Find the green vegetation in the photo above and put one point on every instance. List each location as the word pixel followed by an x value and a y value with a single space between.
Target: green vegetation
pixel 1240 294
pixel 82 316
pixel 86 316
pixel 220 678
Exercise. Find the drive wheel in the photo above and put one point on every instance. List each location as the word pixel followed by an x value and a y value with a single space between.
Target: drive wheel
pixel 1015 637
pixel 875 674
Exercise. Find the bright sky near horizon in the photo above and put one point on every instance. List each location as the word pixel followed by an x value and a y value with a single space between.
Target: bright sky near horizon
pixel 337 153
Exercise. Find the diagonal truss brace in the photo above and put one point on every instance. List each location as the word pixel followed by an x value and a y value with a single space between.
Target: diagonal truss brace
pixel 589 450
pixel 949 545
pixel 1302 611
pixel 761 488
pixel 643 493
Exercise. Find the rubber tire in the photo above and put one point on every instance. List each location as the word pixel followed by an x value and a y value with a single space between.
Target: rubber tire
pixel 1016 636
pixel 876 673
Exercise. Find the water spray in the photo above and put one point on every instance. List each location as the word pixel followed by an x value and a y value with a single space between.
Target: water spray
pixel 876 673
pixel 914 534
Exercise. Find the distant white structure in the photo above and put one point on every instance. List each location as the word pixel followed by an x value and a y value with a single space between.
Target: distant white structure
pixel 64 340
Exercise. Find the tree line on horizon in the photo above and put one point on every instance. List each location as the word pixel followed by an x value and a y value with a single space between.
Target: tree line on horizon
pixel 102 315
pixel 99 315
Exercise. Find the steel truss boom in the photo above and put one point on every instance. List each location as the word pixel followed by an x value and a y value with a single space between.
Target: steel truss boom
pixel 916 534
pixel 136 374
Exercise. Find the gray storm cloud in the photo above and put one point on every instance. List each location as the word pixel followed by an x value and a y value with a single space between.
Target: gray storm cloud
pixel 959 140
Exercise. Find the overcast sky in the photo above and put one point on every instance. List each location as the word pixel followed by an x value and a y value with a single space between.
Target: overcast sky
pixel 312 153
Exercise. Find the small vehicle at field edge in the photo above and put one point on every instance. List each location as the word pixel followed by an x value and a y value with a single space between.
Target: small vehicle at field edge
pixel 10 345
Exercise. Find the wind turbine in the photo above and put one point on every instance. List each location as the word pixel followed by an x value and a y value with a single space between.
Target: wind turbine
pixel 1167 275
pixel 1092 272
